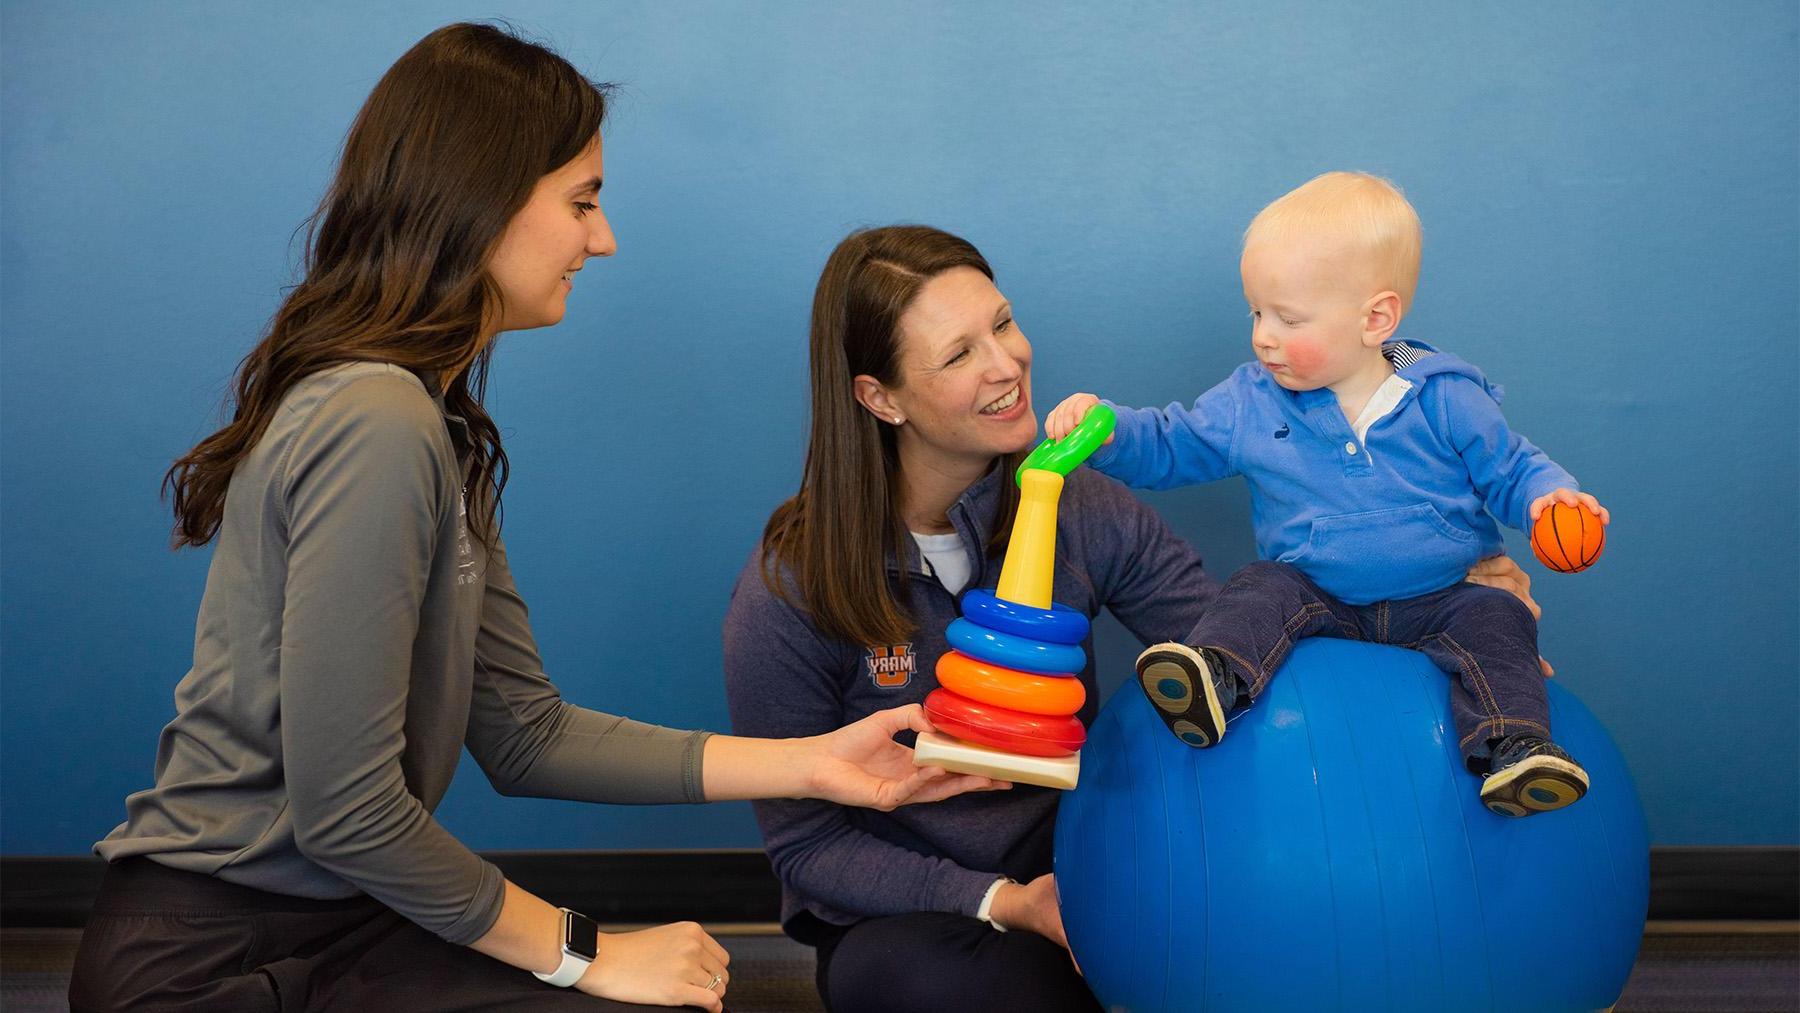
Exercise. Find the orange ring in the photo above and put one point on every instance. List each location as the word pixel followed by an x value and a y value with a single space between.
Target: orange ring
pixel 1054 695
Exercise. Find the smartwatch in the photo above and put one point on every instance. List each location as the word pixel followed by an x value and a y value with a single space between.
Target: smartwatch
pixel 986 911
pixel 580 945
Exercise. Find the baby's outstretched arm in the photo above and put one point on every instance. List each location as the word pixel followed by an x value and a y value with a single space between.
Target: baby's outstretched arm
pixel 1066 416
pixel 1569 497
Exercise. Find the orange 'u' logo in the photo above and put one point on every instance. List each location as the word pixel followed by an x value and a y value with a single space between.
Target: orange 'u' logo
pixel 892 666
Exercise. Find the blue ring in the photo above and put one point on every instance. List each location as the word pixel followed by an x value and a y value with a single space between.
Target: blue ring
pixel 1019 653
pixel 1058 624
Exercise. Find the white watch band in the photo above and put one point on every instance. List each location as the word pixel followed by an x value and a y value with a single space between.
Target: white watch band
pixel 986 911
pixel 568 973
pixel 574 964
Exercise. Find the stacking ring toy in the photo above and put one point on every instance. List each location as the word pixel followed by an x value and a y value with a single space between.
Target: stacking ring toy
pixel 1008 683
pixel 1065 455
pixel 1015 652
pixel 1003 687
pixel 1012 731
pixel 1058 624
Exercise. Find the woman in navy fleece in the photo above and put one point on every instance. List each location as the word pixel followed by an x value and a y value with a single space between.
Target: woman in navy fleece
pixel 921 399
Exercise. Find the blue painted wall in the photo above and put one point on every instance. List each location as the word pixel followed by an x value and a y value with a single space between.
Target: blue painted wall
pixel 1609 195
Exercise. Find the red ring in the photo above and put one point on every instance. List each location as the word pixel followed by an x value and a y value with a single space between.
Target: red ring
pixel 1015 732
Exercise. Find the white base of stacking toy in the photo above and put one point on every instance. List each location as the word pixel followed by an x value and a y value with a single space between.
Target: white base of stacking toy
pixel 968 758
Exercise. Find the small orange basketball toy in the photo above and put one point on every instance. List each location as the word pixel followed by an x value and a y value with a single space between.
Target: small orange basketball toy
pixel 1568 539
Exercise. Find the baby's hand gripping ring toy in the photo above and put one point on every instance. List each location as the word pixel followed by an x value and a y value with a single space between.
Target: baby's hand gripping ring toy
pixel 1065 455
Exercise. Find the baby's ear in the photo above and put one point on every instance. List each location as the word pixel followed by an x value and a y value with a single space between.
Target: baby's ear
pixel 1381 316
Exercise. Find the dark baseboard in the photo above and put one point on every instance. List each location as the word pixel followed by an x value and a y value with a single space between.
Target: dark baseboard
pixel 650 886
pixel 1686 884
pixel 1725 884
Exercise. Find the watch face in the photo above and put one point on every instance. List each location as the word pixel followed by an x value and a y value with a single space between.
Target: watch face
pixel 580 935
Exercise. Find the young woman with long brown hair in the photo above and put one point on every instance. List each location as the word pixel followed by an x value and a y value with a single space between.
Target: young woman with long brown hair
pixel 921 406
pixel 360 623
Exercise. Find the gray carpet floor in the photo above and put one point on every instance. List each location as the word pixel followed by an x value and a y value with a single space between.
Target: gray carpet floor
pixel 1688 972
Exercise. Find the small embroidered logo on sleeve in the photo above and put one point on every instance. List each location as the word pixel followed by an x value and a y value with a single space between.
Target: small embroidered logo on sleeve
pixel 467 568
pixel 1282 433
pixel 892 666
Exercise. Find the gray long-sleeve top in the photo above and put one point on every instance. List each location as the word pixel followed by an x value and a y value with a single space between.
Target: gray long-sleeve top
pixel 786 677
pixel 351 639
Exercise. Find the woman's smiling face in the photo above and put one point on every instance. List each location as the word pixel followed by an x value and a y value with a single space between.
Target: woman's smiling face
pixel 550 238
pixel 964 372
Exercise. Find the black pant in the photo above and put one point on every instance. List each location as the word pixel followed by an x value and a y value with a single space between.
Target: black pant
pixel 1484 638
pixel 162 939
pixel 929 962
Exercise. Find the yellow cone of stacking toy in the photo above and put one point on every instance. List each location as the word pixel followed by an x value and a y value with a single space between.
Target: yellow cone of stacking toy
pixel 1030 566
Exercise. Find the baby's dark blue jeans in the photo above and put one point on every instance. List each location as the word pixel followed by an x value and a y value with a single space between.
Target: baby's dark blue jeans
pixel 1483 637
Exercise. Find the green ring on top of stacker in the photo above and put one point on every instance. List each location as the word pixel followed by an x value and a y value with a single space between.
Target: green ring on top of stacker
pixel 1065 455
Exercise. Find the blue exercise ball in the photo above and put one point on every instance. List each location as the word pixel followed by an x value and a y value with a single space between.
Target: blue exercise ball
pixel 1332 853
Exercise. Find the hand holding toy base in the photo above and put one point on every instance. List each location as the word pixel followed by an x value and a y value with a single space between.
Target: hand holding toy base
pixel 970 758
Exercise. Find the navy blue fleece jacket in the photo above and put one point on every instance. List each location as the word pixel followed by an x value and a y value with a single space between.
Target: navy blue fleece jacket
pixel 784 677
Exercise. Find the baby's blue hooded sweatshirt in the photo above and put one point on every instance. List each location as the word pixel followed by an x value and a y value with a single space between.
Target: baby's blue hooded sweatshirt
pixel 1402 513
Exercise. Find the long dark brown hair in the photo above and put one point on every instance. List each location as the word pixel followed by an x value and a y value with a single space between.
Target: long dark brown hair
pixel 835 535
pixel 445 151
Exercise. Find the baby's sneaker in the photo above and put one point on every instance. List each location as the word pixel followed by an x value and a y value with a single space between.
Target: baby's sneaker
pixel 1191 688
pixel 1532 775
